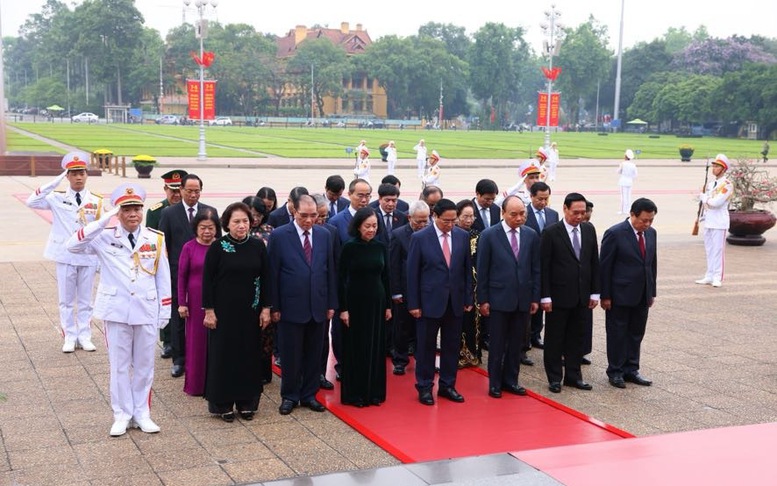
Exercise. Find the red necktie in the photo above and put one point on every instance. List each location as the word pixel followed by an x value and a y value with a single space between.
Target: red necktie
pixel 307 248
pixel 641 243
pixel 446 249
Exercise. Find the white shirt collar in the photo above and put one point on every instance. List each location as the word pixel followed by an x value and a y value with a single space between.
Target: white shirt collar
pixel 508 228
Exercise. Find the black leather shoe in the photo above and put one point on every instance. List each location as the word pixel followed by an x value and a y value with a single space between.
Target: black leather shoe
pixel 399 370
pixel 425 397
pixel 326 384
pixel 637 379
pixel 494 392
pixel 555 387
pixel 247 416
pixel 617 382
pixel 579 384
pixel 451 394
pixel 537 343
pixel 167 352
pixel 515 389
pixel 286 407
pixel 527 361
pixel 585 361
pixel 314 405
pixel 177 371
pixel 337 376
pixel 228 417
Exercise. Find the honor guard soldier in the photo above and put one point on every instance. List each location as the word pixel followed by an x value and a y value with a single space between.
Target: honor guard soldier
pixel 71 210
pixel 172 190
pixel 432 174
pixel 133 300
pixel 529 173
pixel 362 169
pixel 716 221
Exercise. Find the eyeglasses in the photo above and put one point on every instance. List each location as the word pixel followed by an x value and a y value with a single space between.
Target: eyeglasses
pixel 466 217
pixel 308 215
pixel 192 191
pixel 448 221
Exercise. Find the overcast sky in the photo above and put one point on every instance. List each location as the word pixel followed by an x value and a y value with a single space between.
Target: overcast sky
pixel 644 20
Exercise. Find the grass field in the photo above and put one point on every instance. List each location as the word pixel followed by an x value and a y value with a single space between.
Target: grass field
pixel 182 141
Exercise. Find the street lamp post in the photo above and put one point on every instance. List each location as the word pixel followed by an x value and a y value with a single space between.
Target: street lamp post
pixel 201 30
pixel 552 45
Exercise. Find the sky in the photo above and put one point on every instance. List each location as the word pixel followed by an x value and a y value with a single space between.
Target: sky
pixel 643 20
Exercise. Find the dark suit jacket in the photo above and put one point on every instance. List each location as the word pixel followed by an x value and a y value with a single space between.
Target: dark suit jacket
pixel 341 221
pixel 627 278
pixel 551 217
pixel 336 245
pixel 505 283
pixel 302 292
pixel 342 204
pixel 430 282
pixel 401 205
pixel 398 248
pixel 496 216
pixel 569 282
pixel 278 217
pixel 398 218
pixel 174 223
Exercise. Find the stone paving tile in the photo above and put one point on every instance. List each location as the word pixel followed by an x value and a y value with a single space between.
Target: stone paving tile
pixel 268 469
pixel 43 456
pixel 198 476
pixel 324 460
pixel 46 475
pixel 176 458
pixel 148 479
pixel 110 458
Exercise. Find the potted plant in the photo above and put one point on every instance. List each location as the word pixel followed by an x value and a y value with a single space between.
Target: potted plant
pixel 686 151
pixel 103 157
pixel 752 187
pixel 144 164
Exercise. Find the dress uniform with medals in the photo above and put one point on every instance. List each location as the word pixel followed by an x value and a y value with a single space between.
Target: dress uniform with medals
pixel 133 300
pixel 716 221
pixel 432 174
pixel 153 216
pixel 71 210
pixel 527 168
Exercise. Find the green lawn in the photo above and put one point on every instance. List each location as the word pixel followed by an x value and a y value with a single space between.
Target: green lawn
pixel 177 141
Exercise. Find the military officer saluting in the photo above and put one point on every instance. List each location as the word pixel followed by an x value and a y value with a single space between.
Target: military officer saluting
pixel 71 210
pixel 529 173
pixel 133 300
pixel 172 190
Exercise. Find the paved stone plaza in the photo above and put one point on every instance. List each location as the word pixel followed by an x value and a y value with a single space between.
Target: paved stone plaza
pixel 710 352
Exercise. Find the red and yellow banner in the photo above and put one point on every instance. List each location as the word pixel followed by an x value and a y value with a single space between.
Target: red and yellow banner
pixel 209 100
pixel 542 109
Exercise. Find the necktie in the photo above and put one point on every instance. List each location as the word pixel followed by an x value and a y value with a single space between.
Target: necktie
pixel 388 223
pixel 514 242
pixel 484 214
pixel 576 242
pixel 131 239
pixel 332 208
pixel 541 220
pixel 78 198
pixel 446 249
pixel 307 248
pixel 191 214
pixel 641 240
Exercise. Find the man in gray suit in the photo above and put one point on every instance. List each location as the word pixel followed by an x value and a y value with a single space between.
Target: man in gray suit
pixel 508 289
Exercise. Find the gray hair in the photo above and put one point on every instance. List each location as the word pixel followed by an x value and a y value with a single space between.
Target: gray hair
pixel 321 200
pixel 418 206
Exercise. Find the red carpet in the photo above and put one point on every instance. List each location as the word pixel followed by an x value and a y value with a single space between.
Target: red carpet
pixel 732 455
pixel 412 432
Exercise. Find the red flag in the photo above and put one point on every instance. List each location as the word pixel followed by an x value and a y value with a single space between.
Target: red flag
pixel 207 58
pixel 551 74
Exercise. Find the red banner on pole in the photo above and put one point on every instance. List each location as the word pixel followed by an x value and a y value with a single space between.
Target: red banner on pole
pixel 542 109
pixel 209 104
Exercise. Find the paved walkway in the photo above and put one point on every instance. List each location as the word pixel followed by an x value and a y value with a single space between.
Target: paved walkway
pixel 709 351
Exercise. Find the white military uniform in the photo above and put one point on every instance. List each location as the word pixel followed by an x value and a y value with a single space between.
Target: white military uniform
pixel 420 157
pixel 391 158
pixel 75 273
pixel 432 174
pixel 133 299
pixel 628 172
pixel 362 169
pixel 716 223
pixel 519 189
pixel 553 159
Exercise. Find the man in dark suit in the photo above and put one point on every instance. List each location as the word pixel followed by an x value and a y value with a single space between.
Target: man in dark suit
pixel 430 195
pixel 284 214
pixel 389 217
pixel 404 323
pixel 302 258
pixel 176 224
pixel 570 286
pixel 538 217
pixel 333 190
pixel 394 181
pixel 629 270
pixel 439 290
pixel 508 289
pixel 588 322
pixel 486 212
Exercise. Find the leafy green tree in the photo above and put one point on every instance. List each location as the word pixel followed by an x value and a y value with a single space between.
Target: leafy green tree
pixel 322 63
pixel 748 95
pixel 453 36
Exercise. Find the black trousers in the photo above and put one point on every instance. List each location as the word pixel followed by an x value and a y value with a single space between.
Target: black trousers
pixel 404 331
pixel 300 366
pixel 563 338
pixel 508 334
pixel 336 327
pixel 537 325
pixel 625 329
pixel 449 327
pixel 588 332
pixel 177 325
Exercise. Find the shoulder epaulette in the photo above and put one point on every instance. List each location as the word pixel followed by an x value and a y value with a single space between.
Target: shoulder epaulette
pixel 154 231
pixel 98 196
pixel 60 192
pixel 156 206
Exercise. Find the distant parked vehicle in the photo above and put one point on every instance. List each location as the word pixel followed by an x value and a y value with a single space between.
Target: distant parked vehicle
pixel 85 117
pixel 167 120
pixel 221 121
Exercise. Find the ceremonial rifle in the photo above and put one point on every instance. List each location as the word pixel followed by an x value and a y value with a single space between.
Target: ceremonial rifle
pixel 695 230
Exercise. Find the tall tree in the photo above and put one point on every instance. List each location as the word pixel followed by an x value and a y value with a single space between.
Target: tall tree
pixel 320 67
pixel 455 38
